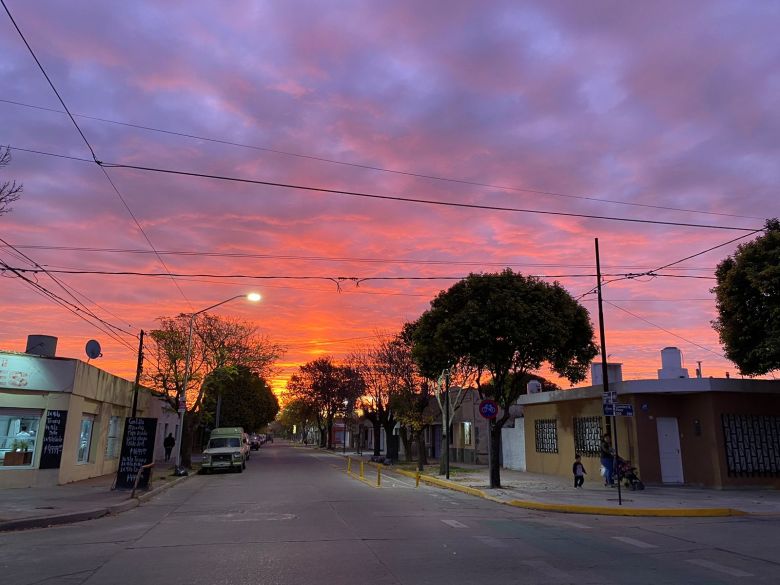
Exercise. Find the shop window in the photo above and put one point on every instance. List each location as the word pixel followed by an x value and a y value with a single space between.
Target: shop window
pixel 112 443
pixel 85 438
pixel 18 436
pixel 587 435
pixel 546 435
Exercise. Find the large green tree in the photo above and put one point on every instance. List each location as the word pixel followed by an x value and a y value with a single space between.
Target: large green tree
pixel 504 326
pixel 748 303
pixel 246 399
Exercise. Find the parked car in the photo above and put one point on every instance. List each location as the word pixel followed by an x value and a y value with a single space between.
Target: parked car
pixel 228 448
pixel 255 442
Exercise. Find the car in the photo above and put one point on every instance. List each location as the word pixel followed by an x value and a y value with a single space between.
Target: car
pixel 228 448
pixel 255 442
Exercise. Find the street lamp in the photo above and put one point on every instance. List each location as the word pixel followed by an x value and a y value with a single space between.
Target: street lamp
pixel 254 297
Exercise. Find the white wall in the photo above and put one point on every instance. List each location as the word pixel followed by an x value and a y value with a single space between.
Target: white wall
pixel 513 445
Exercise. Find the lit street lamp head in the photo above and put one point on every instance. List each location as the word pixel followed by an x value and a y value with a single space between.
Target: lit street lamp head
pixel 253 296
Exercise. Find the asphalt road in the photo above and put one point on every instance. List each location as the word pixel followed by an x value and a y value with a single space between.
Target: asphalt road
pixel 295 517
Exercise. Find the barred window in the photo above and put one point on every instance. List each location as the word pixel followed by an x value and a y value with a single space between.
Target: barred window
pixel 752 445
pixel 587 435
pixel 546 432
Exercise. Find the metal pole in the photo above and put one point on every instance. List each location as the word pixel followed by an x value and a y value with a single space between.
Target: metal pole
pixel 604 372
pixel 447 424
pixel 183 394
pixel 139 368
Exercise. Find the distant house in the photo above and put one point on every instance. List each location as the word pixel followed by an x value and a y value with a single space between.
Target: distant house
pixel 715 432
pixel 61 419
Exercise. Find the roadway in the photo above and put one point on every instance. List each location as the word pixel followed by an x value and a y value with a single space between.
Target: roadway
pixel 295 517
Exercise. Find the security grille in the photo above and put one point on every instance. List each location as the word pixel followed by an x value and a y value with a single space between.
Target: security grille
pixel 752 445
pixel 587 435
pixel 546 432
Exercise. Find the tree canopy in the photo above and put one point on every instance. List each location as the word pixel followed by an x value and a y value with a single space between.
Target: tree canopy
pixel 10 191
pixel 504 325
pixel 247 399
pixel 748 303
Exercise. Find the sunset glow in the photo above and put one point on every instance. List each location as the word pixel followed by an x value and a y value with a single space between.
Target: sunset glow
pixel 387 114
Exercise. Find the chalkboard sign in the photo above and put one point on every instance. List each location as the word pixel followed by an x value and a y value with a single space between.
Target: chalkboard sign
pixel 137 451
pixel 53 439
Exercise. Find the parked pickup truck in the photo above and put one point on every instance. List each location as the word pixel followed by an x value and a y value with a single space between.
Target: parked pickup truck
pixel 228 448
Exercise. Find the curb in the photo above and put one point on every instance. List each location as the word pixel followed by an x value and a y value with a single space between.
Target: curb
pixel 576 508
pixel 83 515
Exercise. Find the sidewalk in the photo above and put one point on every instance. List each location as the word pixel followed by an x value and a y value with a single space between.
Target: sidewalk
pixel 37 507
pixel 556 494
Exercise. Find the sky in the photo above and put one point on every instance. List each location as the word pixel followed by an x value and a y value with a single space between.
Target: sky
pixel 547 118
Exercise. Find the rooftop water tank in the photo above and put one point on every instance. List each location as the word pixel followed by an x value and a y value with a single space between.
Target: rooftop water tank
pixel 533 387
pixel 43 345
pixel 614 373
pixel 671 364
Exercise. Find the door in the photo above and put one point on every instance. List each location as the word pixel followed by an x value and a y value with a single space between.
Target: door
pixel 669 450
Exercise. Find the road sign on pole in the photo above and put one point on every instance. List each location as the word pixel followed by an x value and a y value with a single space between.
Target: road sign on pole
pixel 488 408
pixel 618 409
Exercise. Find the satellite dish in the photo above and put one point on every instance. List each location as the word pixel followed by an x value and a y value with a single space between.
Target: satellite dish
pixel 93 349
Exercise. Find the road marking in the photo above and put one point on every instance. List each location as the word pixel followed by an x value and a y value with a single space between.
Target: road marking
pixel 492 542
pixel 574 524
pixel 634 542
pixel 548 570
pixel 721 568
pixel 454 524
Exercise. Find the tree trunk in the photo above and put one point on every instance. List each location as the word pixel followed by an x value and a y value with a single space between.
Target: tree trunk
pixel 495 447
pixel 392 442
pixel 329 423
pixel 422 456
pixel 407 442
pixel 323 436
pixel 377 438
pixel 191 423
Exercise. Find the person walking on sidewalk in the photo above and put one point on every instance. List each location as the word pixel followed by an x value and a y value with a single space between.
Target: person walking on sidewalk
pixel 169 443
pixel 607 458
pixel 578 469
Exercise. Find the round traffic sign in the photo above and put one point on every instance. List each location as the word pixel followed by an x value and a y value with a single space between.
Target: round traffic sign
pixel 488 408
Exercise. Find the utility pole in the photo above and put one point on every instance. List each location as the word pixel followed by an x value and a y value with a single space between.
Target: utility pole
pixel 139 368
pixel 447 423
pixel 604 375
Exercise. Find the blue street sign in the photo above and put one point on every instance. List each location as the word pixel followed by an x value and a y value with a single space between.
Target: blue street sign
pixel 618 410
pixel 488 408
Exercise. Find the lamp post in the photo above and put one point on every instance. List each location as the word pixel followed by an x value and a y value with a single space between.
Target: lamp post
pixel 254 297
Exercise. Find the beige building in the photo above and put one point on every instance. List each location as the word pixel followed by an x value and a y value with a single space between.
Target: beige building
pixel 715 432
pixel 61 420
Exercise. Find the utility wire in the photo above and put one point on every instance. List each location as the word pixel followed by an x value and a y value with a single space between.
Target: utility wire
pixel 411 199
pixel 378 168
pixel 665 330
pixel 241 180
pixel 200 254
pixel 84 138
pixel 69 290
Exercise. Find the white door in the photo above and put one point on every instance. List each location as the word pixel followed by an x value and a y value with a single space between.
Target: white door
pixel 669 450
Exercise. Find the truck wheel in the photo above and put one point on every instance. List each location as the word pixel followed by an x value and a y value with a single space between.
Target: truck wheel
pixel 240 469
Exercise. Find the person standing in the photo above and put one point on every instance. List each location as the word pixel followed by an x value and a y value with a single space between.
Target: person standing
pixel 578 469
pixel 169 443
pixel 607 460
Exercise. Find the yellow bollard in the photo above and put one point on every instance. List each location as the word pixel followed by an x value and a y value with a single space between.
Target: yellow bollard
pixel 378 475
pixel 362 475
pixel 418 480
pixel 349 464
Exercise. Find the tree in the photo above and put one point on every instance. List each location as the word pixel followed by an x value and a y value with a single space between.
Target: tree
pixel 331 390
pixel 748 303
pixel 217 342
pixel 10 191
pixel 247 399
pixel 503 326
pixel 297 417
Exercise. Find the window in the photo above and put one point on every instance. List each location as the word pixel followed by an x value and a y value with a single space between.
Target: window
pixel 546 434
pixel 18 436
pixel 85 438
pixel 587 435
pixel 112 443
pixel 465 433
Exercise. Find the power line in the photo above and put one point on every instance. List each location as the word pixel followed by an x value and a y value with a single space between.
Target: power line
pixel 378 168
pixel 412 199
pixel 227 178
pixel 665 330
pixel 329 258
pixel 84 138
